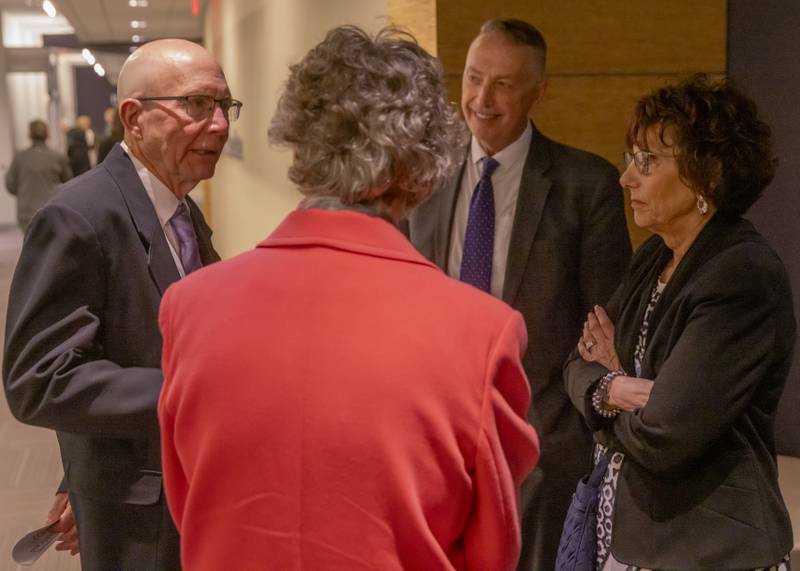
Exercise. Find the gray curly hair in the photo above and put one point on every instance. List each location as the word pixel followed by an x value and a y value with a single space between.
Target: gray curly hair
pixel 369 122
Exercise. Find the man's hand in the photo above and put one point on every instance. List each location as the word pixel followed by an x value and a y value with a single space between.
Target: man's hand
pixel 63 520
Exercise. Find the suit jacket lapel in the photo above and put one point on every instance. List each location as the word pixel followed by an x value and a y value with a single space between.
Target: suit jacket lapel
pixel 448 197
pixel 533 190
pixel 143 214
pixel 203 232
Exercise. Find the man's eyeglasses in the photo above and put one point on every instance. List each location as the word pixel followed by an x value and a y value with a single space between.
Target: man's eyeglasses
pixel 642 160
pixel 201 107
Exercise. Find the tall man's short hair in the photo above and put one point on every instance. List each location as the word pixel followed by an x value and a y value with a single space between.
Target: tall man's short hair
pixel 519 32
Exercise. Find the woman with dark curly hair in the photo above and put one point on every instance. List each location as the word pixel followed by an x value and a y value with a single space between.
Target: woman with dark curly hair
pixel 331 399
pixel 681 374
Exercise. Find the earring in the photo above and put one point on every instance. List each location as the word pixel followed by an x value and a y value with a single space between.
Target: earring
pixel 702 204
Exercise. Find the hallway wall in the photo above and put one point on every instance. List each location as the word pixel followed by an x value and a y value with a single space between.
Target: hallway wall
pixel 256 41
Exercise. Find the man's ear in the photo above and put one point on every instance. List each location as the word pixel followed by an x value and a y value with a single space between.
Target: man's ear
pixel 540 92
pixel 130 111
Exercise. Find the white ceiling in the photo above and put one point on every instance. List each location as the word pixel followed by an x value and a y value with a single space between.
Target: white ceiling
pixel 108 21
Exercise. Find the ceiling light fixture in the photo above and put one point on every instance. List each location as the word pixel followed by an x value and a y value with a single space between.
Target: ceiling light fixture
pixel 98 69
pixel 88 56
pixel 138 24
pixel 136 38
pixel 49 9
pixel 138 3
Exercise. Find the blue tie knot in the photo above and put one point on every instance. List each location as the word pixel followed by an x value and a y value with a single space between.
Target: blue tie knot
pixel 489 166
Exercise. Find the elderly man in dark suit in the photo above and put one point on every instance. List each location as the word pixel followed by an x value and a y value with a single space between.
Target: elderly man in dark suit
pixel 83 349
pixel 541 226
pixel 35 173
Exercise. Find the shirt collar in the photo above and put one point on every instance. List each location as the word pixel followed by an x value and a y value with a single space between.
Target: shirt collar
pixel 514 152
pixel 162 198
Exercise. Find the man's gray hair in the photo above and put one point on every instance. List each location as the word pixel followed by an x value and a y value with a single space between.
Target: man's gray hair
pixel 519 32
pixel 369 121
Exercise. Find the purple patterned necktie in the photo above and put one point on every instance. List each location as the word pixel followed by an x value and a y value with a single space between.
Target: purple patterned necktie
pixel 181 223
pixel 476 263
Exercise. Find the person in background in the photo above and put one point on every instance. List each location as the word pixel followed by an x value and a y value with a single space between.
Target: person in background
pixel 541 226
pixel 361 410
pixel 78 145
pixel 83 349
pixel 115 135
pixel 681 373
pixel 35 173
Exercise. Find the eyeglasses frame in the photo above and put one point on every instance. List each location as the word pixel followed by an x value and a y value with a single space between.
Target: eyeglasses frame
pixel 629 157
pixel 185 98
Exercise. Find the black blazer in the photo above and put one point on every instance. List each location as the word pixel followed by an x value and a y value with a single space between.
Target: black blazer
pixel 568 250
pixel 699 486
pixel 83 348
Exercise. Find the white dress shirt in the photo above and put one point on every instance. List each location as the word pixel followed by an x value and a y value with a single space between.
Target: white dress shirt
pixel 505 181
pixel 165 203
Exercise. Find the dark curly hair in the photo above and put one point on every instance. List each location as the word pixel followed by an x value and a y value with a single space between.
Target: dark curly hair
pixel 723 149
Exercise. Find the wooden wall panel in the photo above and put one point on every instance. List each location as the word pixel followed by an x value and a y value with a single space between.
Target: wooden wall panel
pixel 418 16
pixel 605 37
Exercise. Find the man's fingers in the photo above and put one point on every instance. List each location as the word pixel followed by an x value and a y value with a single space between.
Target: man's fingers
pixel 57 507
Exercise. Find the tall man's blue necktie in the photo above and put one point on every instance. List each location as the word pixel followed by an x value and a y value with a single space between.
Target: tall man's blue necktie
pixel 476 263
pixel 181 223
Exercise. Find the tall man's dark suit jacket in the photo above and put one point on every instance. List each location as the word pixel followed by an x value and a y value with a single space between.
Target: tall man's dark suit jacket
pixel 83 352
pixel 569 247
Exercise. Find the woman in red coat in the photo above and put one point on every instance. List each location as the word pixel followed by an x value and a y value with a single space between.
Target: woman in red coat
pixel 331 399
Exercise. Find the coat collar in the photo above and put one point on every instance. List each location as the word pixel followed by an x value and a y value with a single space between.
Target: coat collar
pixel 344 230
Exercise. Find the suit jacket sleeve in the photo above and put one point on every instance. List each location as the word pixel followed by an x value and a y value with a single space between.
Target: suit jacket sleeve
pixel 712 371
pixel 55 371
pixel 12 177
pixel 605 242
pixel 507 451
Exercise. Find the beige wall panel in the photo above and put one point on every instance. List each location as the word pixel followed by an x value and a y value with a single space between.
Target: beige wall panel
pixel 599 36
pixel 418 17
pixel 256 41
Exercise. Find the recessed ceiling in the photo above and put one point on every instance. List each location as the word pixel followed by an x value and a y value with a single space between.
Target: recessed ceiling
pixel 109 21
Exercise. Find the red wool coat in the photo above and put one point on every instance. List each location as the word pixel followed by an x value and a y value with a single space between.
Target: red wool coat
pixel 333 401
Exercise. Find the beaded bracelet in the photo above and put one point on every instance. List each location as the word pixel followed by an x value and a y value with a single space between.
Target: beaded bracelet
pixel 601 394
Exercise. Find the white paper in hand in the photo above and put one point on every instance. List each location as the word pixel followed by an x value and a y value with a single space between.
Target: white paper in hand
pixel 33 544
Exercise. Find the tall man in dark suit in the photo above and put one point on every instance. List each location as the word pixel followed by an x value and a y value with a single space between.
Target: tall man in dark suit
pixel 541 226
pixel 83 348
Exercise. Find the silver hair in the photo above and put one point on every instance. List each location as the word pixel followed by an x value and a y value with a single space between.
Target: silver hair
pixel 369 121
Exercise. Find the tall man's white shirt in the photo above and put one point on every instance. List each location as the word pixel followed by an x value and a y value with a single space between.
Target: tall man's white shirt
pixel 165 203
pixel 505 182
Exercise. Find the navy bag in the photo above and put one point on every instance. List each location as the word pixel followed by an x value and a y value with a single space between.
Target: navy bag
pixel 577 549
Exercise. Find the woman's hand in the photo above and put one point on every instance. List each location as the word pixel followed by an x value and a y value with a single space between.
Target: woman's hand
pixel 628 393
pixel 596 345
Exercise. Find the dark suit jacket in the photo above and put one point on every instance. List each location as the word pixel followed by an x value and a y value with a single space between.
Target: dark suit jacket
pixel 569 248
pixel 83 348
pixel 699 487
